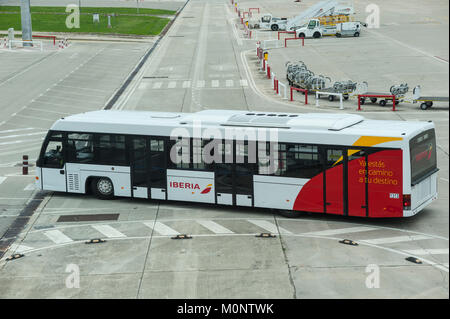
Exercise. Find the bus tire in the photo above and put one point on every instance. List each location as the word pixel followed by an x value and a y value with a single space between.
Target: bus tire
pixel 423 106
pixel 345 97
pixel 362 101
pixel 429 104
pixel 356 34
pixel 316 35
pixel 274 27
pixel 290 213
pixel 103 188
pixel 373 100
pixel 382 102
pixel 331 98
pixel 301 35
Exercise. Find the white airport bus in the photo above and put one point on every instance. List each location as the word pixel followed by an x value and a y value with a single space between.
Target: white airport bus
pixel 325 163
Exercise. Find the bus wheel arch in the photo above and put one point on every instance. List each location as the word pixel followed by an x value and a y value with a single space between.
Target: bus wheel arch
pixel 102 187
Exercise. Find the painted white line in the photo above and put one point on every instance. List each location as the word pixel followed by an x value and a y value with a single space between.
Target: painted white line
pixel 214 227
pixel 2 179
pixel 330 232
pixel 30 187
pixel 162 229
pixel 20 141
pixel 20 135
pixel 172 85
pixel 443 251
pixel 214 83
pixel 271 227
pixel 17 130
pixel 57 237
pixel 108 231
pixel 229 83
pixel 17 248
pixel 82 88
pixel 391 240
pixel 157 85
pixel 243 82
pixel 201 84
pixel 186 84
pixel 143 85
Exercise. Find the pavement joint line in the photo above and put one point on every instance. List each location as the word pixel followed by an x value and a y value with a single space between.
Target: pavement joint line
pixel 161 228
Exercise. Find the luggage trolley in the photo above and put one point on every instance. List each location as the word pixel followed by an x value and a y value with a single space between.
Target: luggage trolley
pixel 427 101
pixel 344 87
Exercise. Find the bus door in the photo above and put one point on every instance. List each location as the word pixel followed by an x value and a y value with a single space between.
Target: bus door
pixel 357 186
pixel 158 167
pixel 234 176
pixel 244 168
pixel 224 172
pixel 52 162
pixel 139 167
pixel 334 181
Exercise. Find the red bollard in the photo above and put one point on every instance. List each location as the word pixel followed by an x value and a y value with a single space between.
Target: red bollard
pixel 25 165
pixel 393 103
pixel 359 102
pixel 277 87
pixel 292 99
pixel 268 72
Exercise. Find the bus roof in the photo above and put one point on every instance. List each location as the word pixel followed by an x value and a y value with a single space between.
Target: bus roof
pixel 109 121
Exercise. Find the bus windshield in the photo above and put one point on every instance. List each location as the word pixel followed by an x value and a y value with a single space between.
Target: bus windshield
pixel 423 155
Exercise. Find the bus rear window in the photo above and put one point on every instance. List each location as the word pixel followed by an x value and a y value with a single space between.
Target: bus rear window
pixel 423 155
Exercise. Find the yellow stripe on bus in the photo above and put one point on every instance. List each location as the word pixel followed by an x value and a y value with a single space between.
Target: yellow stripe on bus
pixel 369 141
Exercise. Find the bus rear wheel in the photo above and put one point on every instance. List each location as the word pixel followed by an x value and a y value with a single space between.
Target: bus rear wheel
pixel 103 188
pixel 290 213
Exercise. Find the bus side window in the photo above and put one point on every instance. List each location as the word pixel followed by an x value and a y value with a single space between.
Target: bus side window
pixel 110 149
pixel 80 148
pixel 53 156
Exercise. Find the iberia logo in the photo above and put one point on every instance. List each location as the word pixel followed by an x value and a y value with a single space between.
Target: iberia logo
pixel 207 189
pixel 191 186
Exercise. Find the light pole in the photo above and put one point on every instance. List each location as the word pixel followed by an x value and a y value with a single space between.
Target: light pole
pixel 25 16
pixel 137 6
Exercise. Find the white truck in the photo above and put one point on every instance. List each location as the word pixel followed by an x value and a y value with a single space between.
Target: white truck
pixel 313 29
pixel 268 22
pixel 349 29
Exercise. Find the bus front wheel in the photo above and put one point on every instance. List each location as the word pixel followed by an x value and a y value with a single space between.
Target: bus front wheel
pixel 103 188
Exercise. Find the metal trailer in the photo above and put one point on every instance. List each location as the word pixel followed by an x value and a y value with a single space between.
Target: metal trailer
pixel 398 91
pixel 427 101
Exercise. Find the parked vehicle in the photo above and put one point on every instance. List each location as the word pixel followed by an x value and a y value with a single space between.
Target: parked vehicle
pixel 352 29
